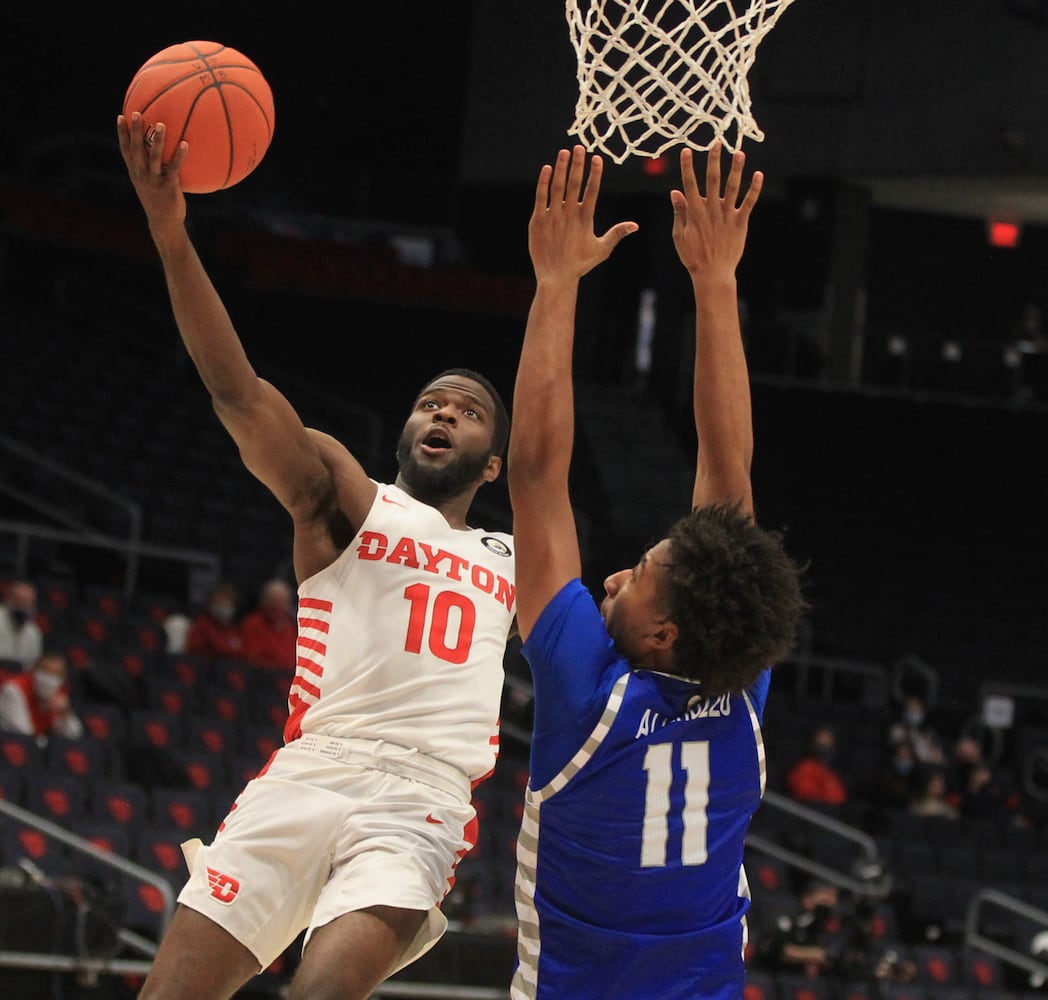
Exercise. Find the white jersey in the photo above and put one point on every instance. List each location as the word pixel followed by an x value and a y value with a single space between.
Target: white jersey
pixel 402 637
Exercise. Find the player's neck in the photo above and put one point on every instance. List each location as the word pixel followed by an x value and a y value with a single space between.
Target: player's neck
pixel 455 509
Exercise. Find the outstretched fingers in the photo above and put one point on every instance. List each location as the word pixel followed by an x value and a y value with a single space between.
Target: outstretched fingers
pixel 562 182
pixel 687 174
pixel 713 170
pixel 734 181
pixel 559 187
pixel 589 199
pixel 575 173
pixel 542 188
pixel 753 193
pixel 561 237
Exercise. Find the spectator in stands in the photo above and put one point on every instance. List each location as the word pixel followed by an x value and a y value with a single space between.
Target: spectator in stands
pixel 215 633
pixel 814 778
pixel 271 630
pixel 37 703
pixel 929 795
pixel 804 938
pixel 1029 334
pixel 912 725
pixel 20 637
pixel 974 787
pixel 831 935
pixel 896 776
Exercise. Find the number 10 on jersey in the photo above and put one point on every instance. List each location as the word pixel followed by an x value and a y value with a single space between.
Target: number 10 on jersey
pixel 451 623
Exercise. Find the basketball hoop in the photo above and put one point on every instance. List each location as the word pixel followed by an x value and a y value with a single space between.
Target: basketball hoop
pixel 658 73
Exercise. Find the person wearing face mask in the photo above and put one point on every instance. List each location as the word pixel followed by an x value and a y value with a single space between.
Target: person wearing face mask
pixel 37 703
pixel 815 777
pixel 805 939
pixel 271 630
pixel 20 637
pixel 896 776
pixel 216 632
pixel 913 726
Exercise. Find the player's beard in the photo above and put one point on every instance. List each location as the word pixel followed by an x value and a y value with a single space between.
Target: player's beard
pixel 437 484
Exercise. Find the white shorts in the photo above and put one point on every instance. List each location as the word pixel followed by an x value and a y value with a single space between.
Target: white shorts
pixel 332 826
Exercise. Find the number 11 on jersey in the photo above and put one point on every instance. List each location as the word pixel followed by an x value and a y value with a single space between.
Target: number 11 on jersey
pixel 659 765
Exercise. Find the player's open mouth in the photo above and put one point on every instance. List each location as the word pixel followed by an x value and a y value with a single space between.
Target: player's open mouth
pixel 435 442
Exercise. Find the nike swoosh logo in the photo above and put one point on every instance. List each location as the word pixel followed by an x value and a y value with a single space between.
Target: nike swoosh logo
pixel 430 818
pixel 389 499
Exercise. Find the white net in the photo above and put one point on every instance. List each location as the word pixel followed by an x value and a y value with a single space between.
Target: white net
pixel 658 73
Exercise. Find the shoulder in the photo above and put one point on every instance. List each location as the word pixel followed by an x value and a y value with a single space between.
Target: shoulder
pixel 570 627
pixel 573 602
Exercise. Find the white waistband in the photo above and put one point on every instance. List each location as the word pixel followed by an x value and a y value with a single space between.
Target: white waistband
pixel 406 762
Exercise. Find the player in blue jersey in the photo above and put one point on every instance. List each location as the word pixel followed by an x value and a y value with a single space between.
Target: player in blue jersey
pixel 647 761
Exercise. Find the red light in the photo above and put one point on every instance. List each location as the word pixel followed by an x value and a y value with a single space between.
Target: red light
pixel 655 166
pixel 1003 234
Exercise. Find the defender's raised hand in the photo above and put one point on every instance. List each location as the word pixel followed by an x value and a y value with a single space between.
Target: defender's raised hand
pixel 561 239
pixel 709 230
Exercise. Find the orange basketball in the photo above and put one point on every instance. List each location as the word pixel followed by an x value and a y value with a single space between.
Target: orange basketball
pixel 217 100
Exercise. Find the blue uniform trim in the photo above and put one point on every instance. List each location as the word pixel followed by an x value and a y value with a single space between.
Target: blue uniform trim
pixel 630 881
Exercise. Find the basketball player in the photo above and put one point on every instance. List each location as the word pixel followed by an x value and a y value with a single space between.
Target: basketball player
pixel 647 760
pixel 354 827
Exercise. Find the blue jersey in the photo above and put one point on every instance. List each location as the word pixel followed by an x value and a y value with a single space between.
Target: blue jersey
pixel 630 881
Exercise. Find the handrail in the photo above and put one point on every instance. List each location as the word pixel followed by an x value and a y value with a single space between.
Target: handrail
pixel 928 674
pixel 131 508
pixel 83 963
pixel 974 939
pixel 805 661
pixel 24 531
pixel 879 886
pixel 817 818
pixel 96 965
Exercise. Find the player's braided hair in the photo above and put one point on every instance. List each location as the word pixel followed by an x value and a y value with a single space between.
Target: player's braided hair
pixel 734 594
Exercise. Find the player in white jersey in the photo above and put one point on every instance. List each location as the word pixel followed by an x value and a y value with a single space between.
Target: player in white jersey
pixel 646 762
pixel 353 829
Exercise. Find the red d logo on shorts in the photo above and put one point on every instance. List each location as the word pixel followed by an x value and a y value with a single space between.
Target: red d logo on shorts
pixel 223 887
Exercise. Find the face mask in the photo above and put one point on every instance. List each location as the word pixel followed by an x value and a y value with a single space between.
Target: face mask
pixel 47 684
pixel 904 766
pixel 20 616
pixel 222 613
pixel 914 717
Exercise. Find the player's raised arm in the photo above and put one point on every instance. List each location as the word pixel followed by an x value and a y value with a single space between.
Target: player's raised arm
pixel 709 232
pixel 272 440
pixel 563 247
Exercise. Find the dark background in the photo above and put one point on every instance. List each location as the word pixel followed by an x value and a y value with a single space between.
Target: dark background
pixel 920 510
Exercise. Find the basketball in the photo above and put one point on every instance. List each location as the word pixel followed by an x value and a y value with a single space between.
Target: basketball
pixel 214 98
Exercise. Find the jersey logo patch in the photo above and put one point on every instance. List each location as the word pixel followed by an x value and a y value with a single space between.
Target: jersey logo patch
pixel 496 545
pixel 223 887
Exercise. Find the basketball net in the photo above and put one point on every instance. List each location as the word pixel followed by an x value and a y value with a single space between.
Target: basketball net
pixel 657 73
